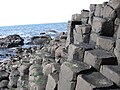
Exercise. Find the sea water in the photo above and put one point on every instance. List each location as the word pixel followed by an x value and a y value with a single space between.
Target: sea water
pixel 28 31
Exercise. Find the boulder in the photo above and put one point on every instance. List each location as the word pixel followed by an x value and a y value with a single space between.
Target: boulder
pixel 11 41
pixel 40 40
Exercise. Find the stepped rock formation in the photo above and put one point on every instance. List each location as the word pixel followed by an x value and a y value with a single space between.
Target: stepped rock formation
pixel 86 58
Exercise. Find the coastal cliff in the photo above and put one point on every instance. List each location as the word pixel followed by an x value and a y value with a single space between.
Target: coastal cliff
pixel 86 57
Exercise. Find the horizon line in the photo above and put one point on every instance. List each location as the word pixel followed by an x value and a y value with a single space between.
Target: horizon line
pixel 31 24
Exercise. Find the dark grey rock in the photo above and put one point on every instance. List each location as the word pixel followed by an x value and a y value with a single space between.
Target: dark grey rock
pixel 106 43
pixel 103 27
pixel 40 40
pixel 68 74
pixel 93 81
pixel 112 72
pixel 109 13
pixel 98 57
pixel 76 51
pixel 82 33
pixel 11 41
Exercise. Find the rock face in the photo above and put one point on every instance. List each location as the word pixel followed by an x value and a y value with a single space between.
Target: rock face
pixel 40 40
pixel 11 41
pixel 86 58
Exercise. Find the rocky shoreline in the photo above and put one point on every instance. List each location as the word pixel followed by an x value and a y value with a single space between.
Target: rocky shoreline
pixel 86 58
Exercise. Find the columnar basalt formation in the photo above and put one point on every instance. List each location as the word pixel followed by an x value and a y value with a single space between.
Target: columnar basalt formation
pixel 86 58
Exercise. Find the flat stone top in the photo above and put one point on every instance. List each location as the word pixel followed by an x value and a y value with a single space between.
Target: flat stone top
pixel 97 80
pixel 114 68
pixel 85 46
pixel 77 66
pixel 107 38
pixel 99 53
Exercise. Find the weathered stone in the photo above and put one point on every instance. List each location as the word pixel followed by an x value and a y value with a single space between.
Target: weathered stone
pixel 104 4
pixel 97 24
pixel 47 69
pixel 11 41
pixel 68 74
pixel 109 13
pixel 98 10
pixel 93 81
pixel 24 69
pixel 103 27
pixel 92 7
pixel 52 81
pixel 84 20
pixel 112 72
pixel 13 77
pixel 4 83
pixel 106 43
pixel 76 17
pixel 85 13
pixel 37 81
pixel 61 52
pixel 93 38
pixel 76 51
pixel 83 29
pixel 71 26
pixel 98 57
pixel 117 50
pixel 22 83
pixel 3 74
pixel 114 4
pixel 91 15
pixel 82 33
pixel 116 26
pixel 118 32
pixel 40 40
pixel 118 13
